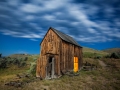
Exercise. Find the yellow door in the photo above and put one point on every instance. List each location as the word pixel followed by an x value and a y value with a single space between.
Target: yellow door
pixel 75 64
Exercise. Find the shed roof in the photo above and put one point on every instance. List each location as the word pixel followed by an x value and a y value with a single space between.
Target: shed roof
pixel 65 37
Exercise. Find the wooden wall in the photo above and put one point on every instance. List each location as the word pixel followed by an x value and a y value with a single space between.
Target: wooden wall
pixel 68 52
pixel 62 51
pixel 78 53
pixel 49 46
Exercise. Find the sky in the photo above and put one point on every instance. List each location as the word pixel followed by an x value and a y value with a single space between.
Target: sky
pixel 92 23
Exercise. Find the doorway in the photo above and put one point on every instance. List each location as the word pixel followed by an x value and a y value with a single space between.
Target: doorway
pixel 50 68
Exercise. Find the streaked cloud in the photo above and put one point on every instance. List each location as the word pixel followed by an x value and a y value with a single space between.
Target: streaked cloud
pixel 98 21
pixel 30 8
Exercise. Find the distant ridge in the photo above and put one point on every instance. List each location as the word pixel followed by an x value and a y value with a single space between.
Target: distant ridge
pixel 18 55
pixel 91 50
pixel 111 50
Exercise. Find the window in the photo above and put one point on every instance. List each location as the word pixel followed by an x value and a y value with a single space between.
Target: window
pixel 75 64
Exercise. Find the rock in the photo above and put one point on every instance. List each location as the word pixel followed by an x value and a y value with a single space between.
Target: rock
pixel 12 83
pixel 19 84
pixel 7 83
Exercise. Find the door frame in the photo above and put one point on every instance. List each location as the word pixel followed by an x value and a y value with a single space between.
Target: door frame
pixel 50 68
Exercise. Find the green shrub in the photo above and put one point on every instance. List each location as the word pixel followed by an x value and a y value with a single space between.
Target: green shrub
pixel 35 59
pixel 107 56
pixel 16 61
pixel 32 69
pixel 0 55
pixel 114 55
pixel 88 55
pixel 26 58
pixel 3 63
pixel 9 61
pixel 22 64
pixel 97 57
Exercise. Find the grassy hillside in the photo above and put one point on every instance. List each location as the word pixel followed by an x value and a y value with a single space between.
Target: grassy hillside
pixel 14 65
pixel 103 78
pixel 86 49
pixel 112 50
pixel 102 74
pixel 92 53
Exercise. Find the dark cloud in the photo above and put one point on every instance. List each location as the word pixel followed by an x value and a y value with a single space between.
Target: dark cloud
pixel 26 1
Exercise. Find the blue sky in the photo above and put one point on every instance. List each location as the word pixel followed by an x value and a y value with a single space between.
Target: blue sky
pixel 92 23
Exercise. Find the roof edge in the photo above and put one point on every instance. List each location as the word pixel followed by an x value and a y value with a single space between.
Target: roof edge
pixel 45 35
pixel 66 35
pixel 51 28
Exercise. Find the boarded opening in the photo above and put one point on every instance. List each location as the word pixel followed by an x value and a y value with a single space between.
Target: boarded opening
pixel 50 68
pixel 75 64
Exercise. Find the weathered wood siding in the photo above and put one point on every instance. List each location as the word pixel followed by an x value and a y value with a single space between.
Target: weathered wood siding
pixel 49 46
pixel 68 52
pixel 62 51
pixel 78 53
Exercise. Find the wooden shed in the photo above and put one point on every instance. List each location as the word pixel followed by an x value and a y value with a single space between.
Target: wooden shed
pixel 59 53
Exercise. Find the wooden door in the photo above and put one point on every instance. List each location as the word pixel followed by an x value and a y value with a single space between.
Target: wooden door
pixel 75 64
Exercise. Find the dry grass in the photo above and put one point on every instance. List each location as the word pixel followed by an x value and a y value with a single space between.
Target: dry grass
pixel 92 61
pixel 85 49
pixel 111 50
pixel 87 80
pixel 100 79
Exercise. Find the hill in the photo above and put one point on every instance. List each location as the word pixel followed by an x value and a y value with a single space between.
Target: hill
pixel 95 71
pixel 18 55
pixel 86 49
pixel 111 50
pixel 92 53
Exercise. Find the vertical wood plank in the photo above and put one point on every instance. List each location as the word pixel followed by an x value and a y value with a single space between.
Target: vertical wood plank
pixel 63 52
